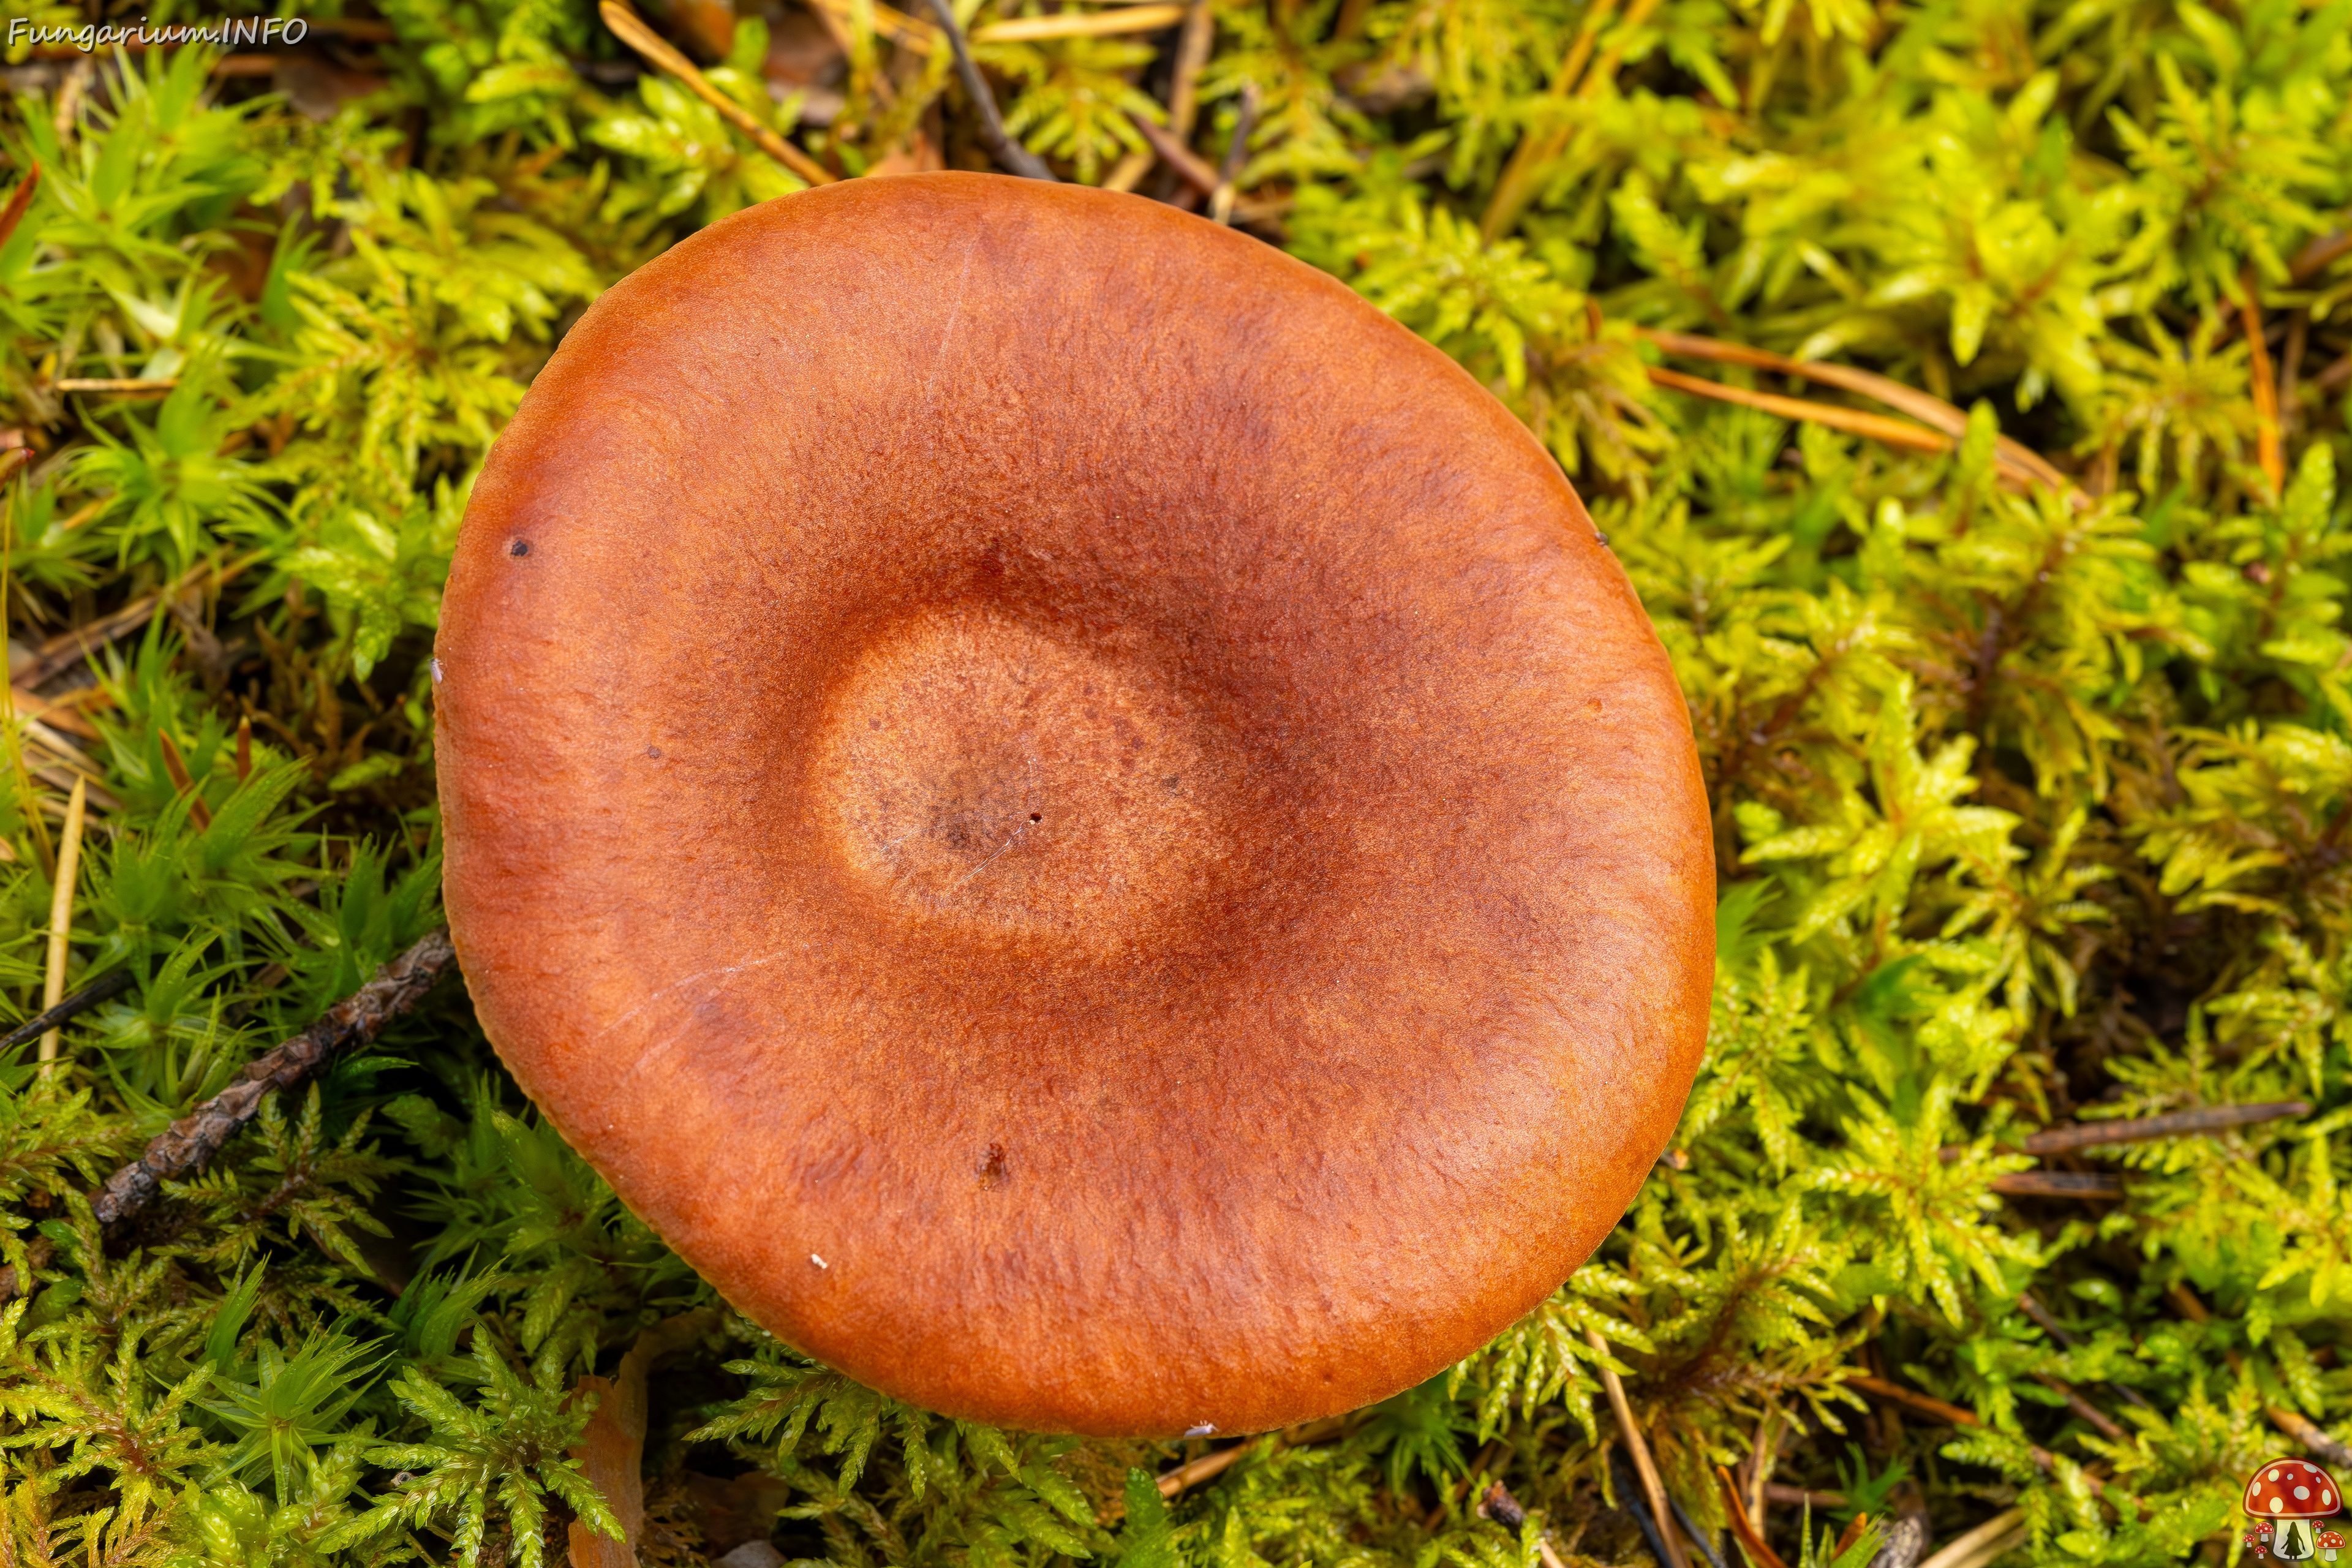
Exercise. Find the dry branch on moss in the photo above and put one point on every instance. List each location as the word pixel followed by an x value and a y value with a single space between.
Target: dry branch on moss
pixel 197 1137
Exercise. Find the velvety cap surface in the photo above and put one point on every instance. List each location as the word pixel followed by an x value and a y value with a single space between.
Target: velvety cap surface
pixel 1076 817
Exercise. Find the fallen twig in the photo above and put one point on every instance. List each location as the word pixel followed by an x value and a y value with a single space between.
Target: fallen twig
pixel 1008 154
pixel 2058 1184
pixel 1644 1466
pixel 1189 166
pixel 2082 1407
pixel 2098 1134
pixel 2322 250
pixel 69 647
pixel 1800 1497
pixel 1903 1541
pixel 2050 1325
pixel 107 986
pixel 631 29
pixel 2290 1422
pixel 2173 1124
pixel 193 1140
pixel 1193 1472
pixel 2308 1434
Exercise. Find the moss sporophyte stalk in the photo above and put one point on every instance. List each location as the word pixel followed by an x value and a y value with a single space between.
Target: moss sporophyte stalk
pixel 1962 389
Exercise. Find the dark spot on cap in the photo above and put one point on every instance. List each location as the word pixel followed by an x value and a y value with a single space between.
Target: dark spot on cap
pixel 519 547
pixel 991 1168
pixel 653 751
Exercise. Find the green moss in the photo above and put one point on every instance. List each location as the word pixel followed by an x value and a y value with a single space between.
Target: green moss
pixel 2031 805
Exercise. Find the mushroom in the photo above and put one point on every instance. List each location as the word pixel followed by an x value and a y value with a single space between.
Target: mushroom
pixel 2289 1494
pixel 1079 820
pixel 2331 1541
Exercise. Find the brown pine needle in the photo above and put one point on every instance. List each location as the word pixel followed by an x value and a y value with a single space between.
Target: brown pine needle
pixel 121 385
pixel 1750 1538
pixel 1080 25
pixel 1926 407
pixel 1517 188
pixel 1925 1404
pixel 1854 421
pixel 1192 54
pixel 631 29
pixel 61 901
pixel 1644 1467
pixel 1535 149
pixel 1193 1472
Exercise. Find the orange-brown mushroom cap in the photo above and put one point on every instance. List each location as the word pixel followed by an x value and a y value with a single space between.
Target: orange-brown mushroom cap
pixel 1077 818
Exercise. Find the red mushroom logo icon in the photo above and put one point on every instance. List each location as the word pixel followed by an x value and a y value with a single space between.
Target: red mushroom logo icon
pixel 2331 1541
pixel 2290 1495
